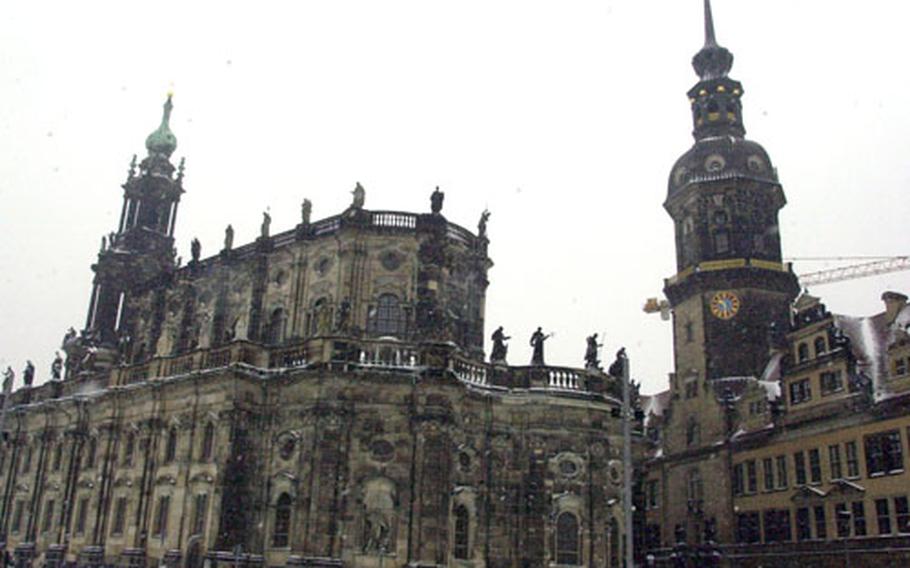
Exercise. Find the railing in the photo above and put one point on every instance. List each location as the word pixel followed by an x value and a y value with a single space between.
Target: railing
pixel 473 373
pixel 394 220
pixel 460 234
pixel 326 226
pixel 289 357
pixel 388 354
pixel 563 378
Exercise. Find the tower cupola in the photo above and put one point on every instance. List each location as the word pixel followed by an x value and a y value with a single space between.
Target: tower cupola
pixel 162 141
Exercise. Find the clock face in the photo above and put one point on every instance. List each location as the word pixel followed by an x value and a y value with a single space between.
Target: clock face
pixel 724 305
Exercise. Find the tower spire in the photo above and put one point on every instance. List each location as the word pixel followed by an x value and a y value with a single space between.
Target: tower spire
pixel 162 141
pixel 709 26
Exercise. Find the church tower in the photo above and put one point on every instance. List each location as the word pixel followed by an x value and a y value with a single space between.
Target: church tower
pixel 142 248
pixel 731 289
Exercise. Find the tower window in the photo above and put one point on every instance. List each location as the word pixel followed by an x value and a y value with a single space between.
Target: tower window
pixel 208 442
pixel 276 327
pixel 462 524
pixel 282 521
pixel 387 317
pixel 721 242
pixel 170 448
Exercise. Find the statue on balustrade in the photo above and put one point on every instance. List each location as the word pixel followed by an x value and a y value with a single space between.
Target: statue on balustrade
pixel 57 367
pixel 591 360
pixel 436 199
pixel 344 315
pixel 360 195
pixel 306 210
pixel 266 223
pixel 617 367
pixel 500 349
pixel 28 375
pixel 482 224
pixel 195 250
pixel 8 377
pixel 537 340
pixel 228 237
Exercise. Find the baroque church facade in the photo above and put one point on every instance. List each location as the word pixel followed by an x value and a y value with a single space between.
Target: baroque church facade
pixel 783 437
pixel 318 397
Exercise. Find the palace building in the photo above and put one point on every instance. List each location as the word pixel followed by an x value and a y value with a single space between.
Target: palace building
pixel 317 397
pixel 783 437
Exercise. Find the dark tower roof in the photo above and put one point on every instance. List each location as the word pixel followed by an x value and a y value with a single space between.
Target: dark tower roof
pixel 721 150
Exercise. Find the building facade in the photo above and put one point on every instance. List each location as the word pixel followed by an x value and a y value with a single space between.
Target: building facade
pixel 318 397
pixel 783 437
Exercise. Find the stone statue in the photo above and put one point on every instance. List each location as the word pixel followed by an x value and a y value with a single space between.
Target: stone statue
pixel 500 349
pixel 69 337
pixel 344 315
pixel 28 375
pixel 103 243
pixel 482 224
pixel 228 237
pixel 359 196
pixel 57 366
pixel 266 223
pixel 617 367
pixel 375 532
pixel 8 377
pixel 537 339
pixel 591 360
pixel 195 249
pixel 436 199
pixel 306 210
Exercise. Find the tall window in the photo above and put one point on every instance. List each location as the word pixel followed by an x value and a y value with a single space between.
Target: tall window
pixel 276 327
pixel 129 447
pixel 90 454
pixel 802 352
pixel 859 518
pixel 567 539
pixel 81 515
pixel 160 527
pixel 613 544
pixel 852 460
pixel 751 477
pixel 820 346
pixel 462 535
pixel 883 516
pixel 695 489
pixel 739 479
pixel 803 526
pixel 387 317
pixel 119 516
pixel 199 513
pixel 834 461
pixel 768 471
pixel 782 472
pixel 800 391
pixel 58 456
pixel 902 514
pixel 170 447
pixel 208 442
pixel 815 466
pixel 48 515
pixel 693 432
pixel 282 521
pixel 799 465
pixel 27 460
pixel 17 516
pixel 821 526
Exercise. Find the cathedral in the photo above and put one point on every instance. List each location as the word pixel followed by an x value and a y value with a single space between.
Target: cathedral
pixel 317 397
pixel 782 439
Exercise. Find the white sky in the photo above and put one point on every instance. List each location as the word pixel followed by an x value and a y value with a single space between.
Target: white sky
pixel 563 118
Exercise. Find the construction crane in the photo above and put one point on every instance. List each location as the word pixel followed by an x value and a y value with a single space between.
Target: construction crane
pixel 873 266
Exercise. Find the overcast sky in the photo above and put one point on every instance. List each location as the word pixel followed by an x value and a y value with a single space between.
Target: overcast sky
pixel 563 118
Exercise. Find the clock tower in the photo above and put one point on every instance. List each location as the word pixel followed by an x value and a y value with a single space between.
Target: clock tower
pixel 731 288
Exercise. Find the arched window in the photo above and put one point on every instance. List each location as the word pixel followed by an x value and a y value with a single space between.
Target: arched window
pixel 462 535
pixel 208 442
pixel 613 552
pixel 170 448
pixel 820 346
pixel 567 539
pixel 802 352
pixel 276 327
pixel 387 317
pixel 282 521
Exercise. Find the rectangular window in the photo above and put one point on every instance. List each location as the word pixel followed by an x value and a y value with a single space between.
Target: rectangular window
pixel 738 479
pixel 164 503
pixel 834 461
pixel 902 514
pixel 768 471
pixel 884 453
pixel 800 391
pixel 17 517
pixel 883 516
pixel 651 491
pixel 48 516
pixel 803 526
pixel 859 518
pixel 900 366
pixel 799 466
pixel 782 472
pixel 748 528
pixel 815 466
pixel 751 476
pixel 842 518
pixel 821 527
pixel 81 515
pixel 852 460
pixel 199 513
pixel 777 525
pixel 832 382
pixel 119 516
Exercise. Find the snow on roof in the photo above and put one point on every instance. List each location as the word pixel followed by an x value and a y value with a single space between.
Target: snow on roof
pixel 655 403
pixel 868 342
